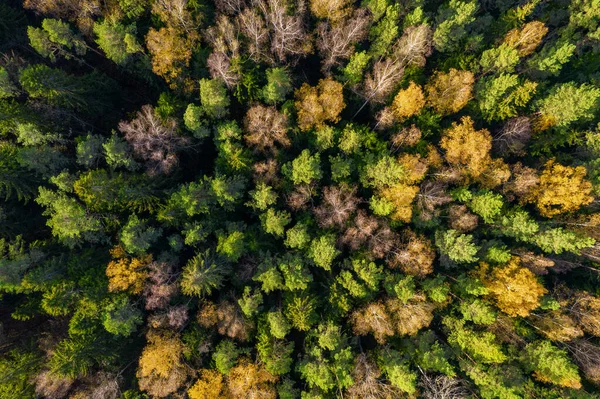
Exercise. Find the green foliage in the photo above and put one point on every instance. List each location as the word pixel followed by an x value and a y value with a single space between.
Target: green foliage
pixel 137 237
pixel 121 317
pixel 214 98
pixel 274 222
pixel 568 103
pixel 118 41
pixel 353 72
pixel 278 86
pixel 451 21
pixel 56 37
pixel 322 251
pixel 481 346
pixel 551 364
pixel 203 274
pixel 305 169
pixel 225 356
pixel 487 204
pixel 457 247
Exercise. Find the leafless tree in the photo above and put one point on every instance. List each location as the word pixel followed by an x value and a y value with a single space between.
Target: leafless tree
pixel 414 257
pixel 288 32
pixel 230 7
pixel 408 137
pixel 254 28
pixel 432 194
pixel 443 387
pixel 300 197
pixel 50 386
pixel 338 205
pixel 368 381
pixel 414 46
pixel 219 65
pixel 175 13
pixel 587 356
pixel 337 41
pixel 266 127
pixel 177 316
pixel 382 79
pixel 513 136
pixel 266 171
pixel 154 140
pixel 374 233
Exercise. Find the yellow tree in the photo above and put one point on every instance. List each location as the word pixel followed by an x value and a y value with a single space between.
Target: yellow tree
pixel 526 39
pixel 514 288
pixel 330 9
pixel 209 385
pixel 449 92
pixel 466 147
pixel 126 274
pixel 160 371
pixel 317 104
pixel 171 52
pixel 248 380
pixel 408 102
pixel 561 189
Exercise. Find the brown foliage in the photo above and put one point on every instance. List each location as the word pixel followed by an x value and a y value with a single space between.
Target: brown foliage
pixel 231 321
pixel 585 309
pixel 300 197
pixel 266 171
pixel 160 285
pixel 369 231
pixel 449 92
pixel 368 381
pixel 51 386
pixel 523 181
pixel 538 264
pixel 557 326
pixel 373 319
pixel 154 140
pixel 320 104
pixel 266 127
pixel 336 42
pixel 461 219
pixel 414 257
pixel 408 137
pixel 339 203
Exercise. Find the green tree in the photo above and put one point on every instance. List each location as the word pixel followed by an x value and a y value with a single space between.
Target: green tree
pixel 322 251
pixel 305 168
pixel 118 41
pixel 203 274
pixel 457 247
pixel 551 364
pixel 278 86
pixel 225 356
pixel 121 317
pixel 137 236
pixel 56 38
pixel 452 20
pixel 214 98
pixel 274 222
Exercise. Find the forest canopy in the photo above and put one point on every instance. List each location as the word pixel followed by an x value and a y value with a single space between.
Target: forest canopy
pixel 312 199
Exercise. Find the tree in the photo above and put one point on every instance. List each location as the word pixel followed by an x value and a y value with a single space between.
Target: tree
pixel 56 38
pixel 303 169
pixel 170 51
pixel 210 384
pixel 526 39
pixel 318 104
pixel 121 317
pixel 118 41
pixel 214 98
pixel 274 222
pixel 502 96
pixel 408 102
pixel 415 257
pixel 249 380
pixel 551 365
pixel 339 203
pixel 278 85
pixel 449 92
pixel 202 274
pixel 451 21
pixel 125 274
pixel 137 237
pixel 456 247
pixel 487 204
pixel 561 189
pixel 480 346
pixel 568 103
pixel 336 42
pixel 513 136
pixel 466 147
pixel 515 290
pixel 331 10
pixel 322 251
pixel 161 371
pixel 225 356
pixel 558 240
pixel 265 128
pixel 154 140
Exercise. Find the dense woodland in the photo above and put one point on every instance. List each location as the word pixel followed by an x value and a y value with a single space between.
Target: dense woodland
pixel 299 199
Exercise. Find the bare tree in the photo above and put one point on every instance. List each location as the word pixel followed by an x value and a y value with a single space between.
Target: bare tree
pixel 587 356
pixel 432 194
pixel 382 79
pixel 175 13
pixel 414 46
pixel 230 7
pixel 300 197
pixel 443 387
pixel 337 42
pixel 369 382
pixel 338 205
pixel 408 137
pixel 513 136
pixel 219 65
pixel 288 32
pixel 374 233
pixel 223 37
pixel 255 30
pixel 266 127
pixel 154 140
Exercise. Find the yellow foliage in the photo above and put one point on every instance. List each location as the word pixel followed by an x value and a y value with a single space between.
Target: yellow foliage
pixel 125 274
pixel 415 167
pixel 449 92
pixel 209 386
pixel 561 189
pixel 467 147
pixel 330 9
pixel 170 52
pixel 496 173
pixel 526 39
pixel 408 102
pixel 247 380
pixel 160 371
pixel 515 289
pixel 318 104
pixel 402 196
